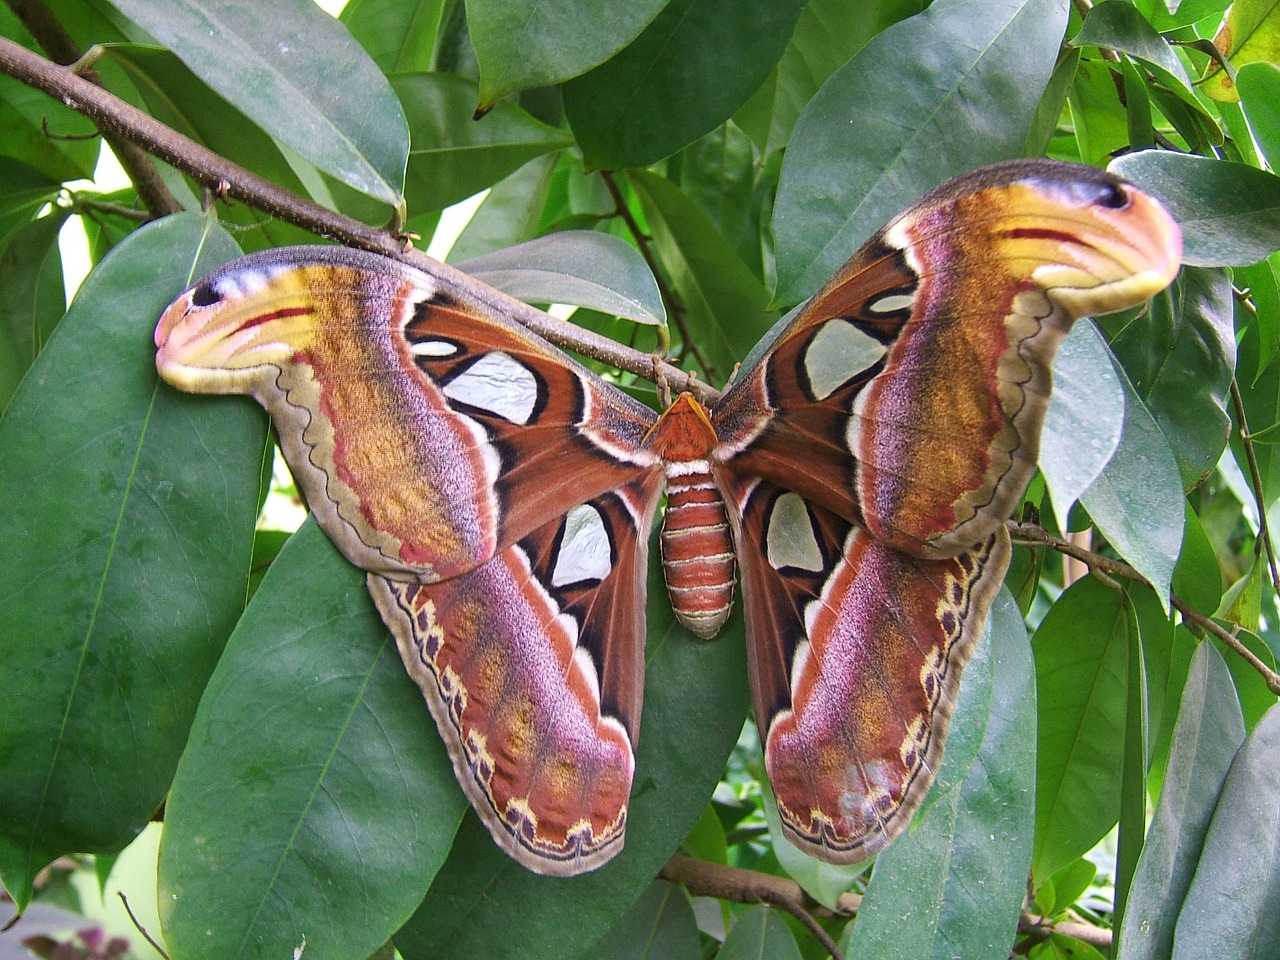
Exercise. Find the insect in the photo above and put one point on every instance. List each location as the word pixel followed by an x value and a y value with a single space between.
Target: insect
pixel 500 495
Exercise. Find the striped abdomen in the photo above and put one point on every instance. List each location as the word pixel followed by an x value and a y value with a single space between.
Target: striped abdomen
pixel 697 549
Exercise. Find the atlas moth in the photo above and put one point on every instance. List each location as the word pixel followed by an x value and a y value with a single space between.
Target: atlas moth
pixel 857 475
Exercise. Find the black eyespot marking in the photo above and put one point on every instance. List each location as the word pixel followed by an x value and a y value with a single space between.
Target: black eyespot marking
pixel 1113 196
pixel 204 296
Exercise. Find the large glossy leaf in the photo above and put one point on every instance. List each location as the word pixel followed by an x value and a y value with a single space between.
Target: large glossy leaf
pixel 315 801
pixel 1230 907
pixel 298 74
pixel 535 43
pixel 695 698
pixel 127 539
pixel 658 926
pixel 1181 360
pixel 726 307
pixel 1081 650
pixel 1084 421
pixel 1229 212
pixel 1208 732
pixel 691 68
pixel 455 156
pixel 1130 501
pixel 887 126
pixel 32 300
pixel 576 267
pixel 400 35
pixel 925 898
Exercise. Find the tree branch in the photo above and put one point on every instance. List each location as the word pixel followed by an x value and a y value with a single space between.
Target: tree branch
pixel 705 879
pixel 229 179
pixel 54 39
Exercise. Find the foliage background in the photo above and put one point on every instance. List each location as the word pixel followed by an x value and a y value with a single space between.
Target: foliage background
pixel 168 658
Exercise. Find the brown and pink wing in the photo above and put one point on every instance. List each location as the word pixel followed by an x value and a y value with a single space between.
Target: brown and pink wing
pixel 856 651
pixel 415 420
pixel 532 665
pixel 870 458
pixel 909 394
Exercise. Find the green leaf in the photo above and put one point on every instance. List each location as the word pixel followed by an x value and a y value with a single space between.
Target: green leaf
pixel 924 900
pixel 1208 732
pixel 657 926
pixel 533 43
pixel 511 211
pixel 1081 651
pixel 686 74
pixel 883 130
pixel 1181 359
pixel 399 35
pixel 827 34
pixel 726 305
pixel 576 267
pixel 1229 212
pixel 1100 123
pixel 1259 86
pixel 32 298
pixel 297 73
pixel 1084 421
pixel 1052 103
pixel 706 841
pixel 454 156
pixel 1229 910
pixel 1130 500
pixel 1067 886
pixel 126 559
pixel 481 895
pixel 759 932
pixel 315 800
